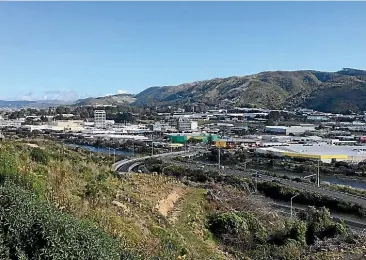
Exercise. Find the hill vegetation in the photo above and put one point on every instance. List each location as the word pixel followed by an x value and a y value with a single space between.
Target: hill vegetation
pixel 62 203
pixel 342 91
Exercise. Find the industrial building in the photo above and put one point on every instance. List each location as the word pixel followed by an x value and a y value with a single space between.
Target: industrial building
pixel 236 143
pixel 183 138
pixel 324 152
pixel 185 125
pixel 290 130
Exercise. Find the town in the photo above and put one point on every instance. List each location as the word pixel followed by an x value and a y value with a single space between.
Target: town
pixel 300 133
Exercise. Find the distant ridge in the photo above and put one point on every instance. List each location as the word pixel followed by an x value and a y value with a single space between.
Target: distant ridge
pixel 340 92
pixel 17 104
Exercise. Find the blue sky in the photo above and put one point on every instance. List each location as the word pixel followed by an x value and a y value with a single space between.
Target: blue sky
pixel 77 49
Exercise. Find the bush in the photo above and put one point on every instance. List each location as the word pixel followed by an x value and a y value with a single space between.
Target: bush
pixel 320 224
pixel 39 155
pixel 31 229
pixel 227 223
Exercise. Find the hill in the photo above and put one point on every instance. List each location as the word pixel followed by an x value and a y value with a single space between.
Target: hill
pixel 60 203
pixel 324 91
pixel 108 100
pixel 342 91
pixel 17 104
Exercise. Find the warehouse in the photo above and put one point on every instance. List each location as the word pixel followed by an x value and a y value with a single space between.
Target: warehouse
pixel 290 130
pixel 323 152
pixel 184 137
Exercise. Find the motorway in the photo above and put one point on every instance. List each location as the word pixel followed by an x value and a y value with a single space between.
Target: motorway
pixel 298 185
pixel 124 166
pixel 357 224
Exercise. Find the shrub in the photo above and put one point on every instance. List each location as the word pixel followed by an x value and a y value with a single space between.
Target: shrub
pixel 31 229
pixel 39 155
pixel 227 223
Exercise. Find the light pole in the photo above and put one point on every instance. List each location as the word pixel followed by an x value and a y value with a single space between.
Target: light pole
pixel 291 202
pixel 152 145
pixel 256 181
pixel 219 157
pixel 318 176
pixel 133 149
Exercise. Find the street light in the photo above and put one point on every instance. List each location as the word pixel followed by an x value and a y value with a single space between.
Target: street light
pixel 219 157
pixel 318 177
pixel 152 145
pixel 256 181
pixel 291 202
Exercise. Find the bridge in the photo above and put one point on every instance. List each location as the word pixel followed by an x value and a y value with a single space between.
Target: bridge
pixel 128 165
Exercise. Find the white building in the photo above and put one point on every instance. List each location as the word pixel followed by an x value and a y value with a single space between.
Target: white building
pixel 185 125
pixel 290 130
pixel 100 119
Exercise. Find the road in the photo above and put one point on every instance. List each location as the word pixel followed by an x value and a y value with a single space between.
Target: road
pixel 298 185
pixel 124 165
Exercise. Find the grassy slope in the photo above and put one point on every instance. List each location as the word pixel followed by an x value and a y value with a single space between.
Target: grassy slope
pixel 126 208
pixel 86 189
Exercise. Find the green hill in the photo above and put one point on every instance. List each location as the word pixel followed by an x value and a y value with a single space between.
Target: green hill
pixel 325 91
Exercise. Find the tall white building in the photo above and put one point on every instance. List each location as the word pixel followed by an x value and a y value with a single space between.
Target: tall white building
pixel 100 118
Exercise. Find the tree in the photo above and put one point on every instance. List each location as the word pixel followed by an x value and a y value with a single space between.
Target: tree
pixel 209 139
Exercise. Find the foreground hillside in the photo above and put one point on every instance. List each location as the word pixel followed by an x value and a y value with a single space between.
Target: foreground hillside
pixel 63 204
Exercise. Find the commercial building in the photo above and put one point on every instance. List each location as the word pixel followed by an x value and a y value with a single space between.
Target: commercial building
pixel 99 119
pixel 290 130
pixel 236 143
pixel 185 125
pixel 325 153
pixel 183 138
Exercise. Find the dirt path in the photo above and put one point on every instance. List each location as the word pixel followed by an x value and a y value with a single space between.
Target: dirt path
pixel 164 206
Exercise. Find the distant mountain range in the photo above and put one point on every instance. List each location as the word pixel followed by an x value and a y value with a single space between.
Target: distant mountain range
pixel 341 91
pixel 17 104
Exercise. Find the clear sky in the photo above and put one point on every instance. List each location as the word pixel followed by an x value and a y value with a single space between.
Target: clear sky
pixel 76 49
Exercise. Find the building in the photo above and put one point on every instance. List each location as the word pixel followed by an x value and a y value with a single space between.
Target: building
pixel 290 130
pixel 236 143
pixel 323 152
pixel 183 138
pixel 99 119
pixel 185 125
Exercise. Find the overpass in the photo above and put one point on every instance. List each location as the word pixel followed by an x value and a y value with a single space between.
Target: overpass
pixel 125 165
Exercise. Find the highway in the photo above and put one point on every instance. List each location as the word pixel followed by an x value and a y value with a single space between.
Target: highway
pixel 125 166
pixel 356 224
pixel 298 185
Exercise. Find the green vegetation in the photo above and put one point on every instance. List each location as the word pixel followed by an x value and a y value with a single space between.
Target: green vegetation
pixel 324 91
pixel 39 155
pixel 32 229
pixel 59 203
pixel 269 189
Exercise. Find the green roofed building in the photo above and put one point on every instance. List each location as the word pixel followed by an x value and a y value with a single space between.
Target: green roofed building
pixel 183 138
